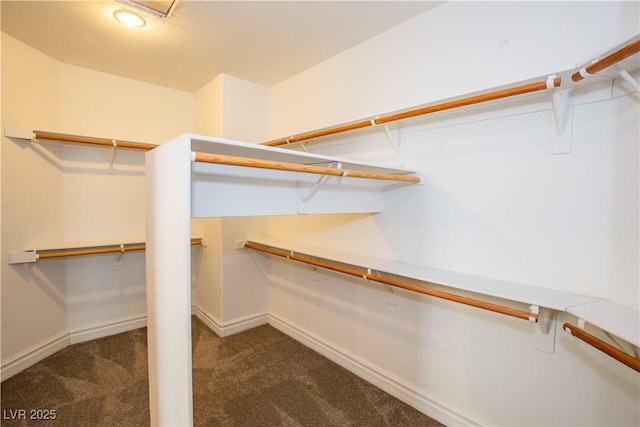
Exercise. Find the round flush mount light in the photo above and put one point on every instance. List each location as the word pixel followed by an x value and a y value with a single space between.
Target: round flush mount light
pixel 130 19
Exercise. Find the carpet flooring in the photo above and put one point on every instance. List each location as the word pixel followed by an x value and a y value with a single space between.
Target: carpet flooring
pixel 259 377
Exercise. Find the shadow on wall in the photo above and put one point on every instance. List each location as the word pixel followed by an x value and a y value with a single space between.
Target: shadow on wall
pixel 72 159
pixel 49 278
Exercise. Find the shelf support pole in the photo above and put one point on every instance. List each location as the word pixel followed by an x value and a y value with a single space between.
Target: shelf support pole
pixel 168 267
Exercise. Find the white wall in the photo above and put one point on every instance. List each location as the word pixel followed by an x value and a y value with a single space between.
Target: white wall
pixel 208 121
pixel 55 193
pixel 208 108
pixel 245 118
pixel 102 205
pixel 495 203
pixel 245 110
pixel 232 108
pixel 447 51
pixel 64 193
pixel 232 291
pixel 31 211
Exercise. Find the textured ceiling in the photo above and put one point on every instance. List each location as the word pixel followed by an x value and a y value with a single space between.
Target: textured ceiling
pixel 261 41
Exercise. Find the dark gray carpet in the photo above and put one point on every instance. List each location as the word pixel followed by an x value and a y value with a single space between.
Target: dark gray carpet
pixel 259 377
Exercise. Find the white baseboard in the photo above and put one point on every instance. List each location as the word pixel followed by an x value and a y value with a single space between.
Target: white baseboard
pixel 230 327
pixel 371 373
pixel 34 355
pixel 105 329
pixel 208 319
pixel 361 367
pixel 63 340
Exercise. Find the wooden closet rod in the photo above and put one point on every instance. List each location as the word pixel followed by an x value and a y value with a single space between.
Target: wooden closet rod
pixel 91 140
pixel 294 167
pixel 609 60
pixel 520 314
pixel 101 250
pixel 90 251
pixel 463 102
pixel 619 355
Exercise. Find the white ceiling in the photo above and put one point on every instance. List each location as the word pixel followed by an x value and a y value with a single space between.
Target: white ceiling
pixel 261 41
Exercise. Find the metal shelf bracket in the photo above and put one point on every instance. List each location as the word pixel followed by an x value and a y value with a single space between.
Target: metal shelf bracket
pixel 561 122
pixel 627 78
pixel 546 338
pixel 321 180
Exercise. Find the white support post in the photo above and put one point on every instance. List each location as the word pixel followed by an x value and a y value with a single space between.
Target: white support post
pixel 168 195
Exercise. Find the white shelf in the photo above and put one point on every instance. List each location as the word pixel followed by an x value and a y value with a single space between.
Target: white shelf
pixel 255 151
pixel 511 291
pixel 221 190
pixel 617 319
pixel 32 255
pixel 87 244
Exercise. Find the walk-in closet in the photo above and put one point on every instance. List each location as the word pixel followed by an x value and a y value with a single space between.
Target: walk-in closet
pixel 320 213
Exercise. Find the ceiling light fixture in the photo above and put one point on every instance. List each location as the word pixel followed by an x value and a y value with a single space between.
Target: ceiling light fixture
pixel 130 19
pixel 160 9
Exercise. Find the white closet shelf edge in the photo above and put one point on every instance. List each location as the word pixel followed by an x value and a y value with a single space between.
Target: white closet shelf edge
pixel 614 318
pixel 517 292
pixel 617 319
pixel 31 255
pixel 228 147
